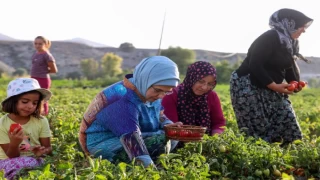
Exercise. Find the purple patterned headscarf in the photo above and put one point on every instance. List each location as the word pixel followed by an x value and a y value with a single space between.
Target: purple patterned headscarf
pixel 193 109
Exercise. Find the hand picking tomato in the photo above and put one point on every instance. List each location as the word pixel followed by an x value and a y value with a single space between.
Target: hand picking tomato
pixel 302 83
pixel 171 133
pixel 15 126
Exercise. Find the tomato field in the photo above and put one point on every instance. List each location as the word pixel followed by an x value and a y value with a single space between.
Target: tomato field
pixel 227 156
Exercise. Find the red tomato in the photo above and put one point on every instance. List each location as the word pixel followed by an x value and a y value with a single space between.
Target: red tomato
pixel 184 134
pixel 15 126
pixel 196 134
pixel 294 82
pixel 292 87
pixel 171 132
pixel 302 83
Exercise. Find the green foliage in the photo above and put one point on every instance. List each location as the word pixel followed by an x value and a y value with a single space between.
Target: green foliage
pixel 20 72
pixel 224 70
pixel 227 156
pixel 127 47
pixel 73 75
pixel 111 64
pixel 182 57
pixel 90 68
pixel 314 82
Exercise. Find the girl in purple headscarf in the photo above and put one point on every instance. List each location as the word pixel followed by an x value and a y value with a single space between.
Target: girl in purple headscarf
pixel 194 102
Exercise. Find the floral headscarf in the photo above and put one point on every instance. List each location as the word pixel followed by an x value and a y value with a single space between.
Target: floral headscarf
pixel 286 22
pixel 193 109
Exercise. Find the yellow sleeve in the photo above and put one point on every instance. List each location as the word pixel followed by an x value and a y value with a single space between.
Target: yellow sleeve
pixel 4 138
pixel 45 129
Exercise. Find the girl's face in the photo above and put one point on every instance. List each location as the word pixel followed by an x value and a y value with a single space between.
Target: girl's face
pixel 204 85
pixel 27 104
pixel 156 92
pixel 39 45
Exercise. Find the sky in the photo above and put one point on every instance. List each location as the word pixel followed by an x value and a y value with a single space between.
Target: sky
pixel 217 25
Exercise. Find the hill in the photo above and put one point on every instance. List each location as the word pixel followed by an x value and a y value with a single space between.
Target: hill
pixel 86 42
pixel 6 38
pixel 69 54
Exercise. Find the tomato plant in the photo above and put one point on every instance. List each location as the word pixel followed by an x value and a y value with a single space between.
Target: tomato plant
pixel 230 155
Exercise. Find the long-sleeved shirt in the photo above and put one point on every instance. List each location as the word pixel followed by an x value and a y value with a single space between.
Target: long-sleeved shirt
pixel 267 61
pixel 118 117
pixel 169 102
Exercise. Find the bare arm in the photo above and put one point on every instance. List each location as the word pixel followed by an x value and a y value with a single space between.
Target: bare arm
pixel 12 149
pixel 52 67
pixel 45 142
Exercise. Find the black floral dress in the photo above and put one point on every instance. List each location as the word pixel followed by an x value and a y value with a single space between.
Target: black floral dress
pixel 262 112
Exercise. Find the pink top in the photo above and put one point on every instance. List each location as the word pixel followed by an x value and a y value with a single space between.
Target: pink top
pixel 39 66
pixel 169 102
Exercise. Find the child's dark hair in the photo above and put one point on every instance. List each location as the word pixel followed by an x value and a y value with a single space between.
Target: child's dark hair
pixel 10 105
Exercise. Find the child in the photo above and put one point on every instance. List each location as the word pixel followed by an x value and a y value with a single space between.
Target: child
pixel 43 63
pixel 23 147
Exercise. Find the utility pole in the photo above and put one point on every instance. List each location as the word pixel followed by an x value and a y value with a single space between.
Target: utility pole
pixel 164 19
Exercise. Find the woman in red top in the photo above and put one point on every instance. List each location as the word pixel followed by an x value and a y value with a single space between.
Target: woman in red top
pixel 194 102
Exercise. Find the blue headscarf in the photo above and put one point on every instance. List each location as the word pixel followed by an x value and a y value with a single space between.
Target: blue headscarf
pixel 155 70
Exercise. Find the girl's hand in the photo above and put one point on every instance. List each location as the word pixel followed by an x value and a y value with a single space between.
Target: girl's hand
pixel 39 150
pixel 16 137
pixel 280 88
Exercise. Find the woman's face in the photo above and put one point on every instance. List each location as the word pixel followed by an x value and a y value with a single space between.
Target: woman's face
pixel 204 85
pixel 297 34
pixel 156 92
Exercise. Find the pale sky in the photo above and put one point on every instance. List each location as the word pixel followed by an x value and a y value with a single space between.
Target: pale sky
pixel 217 25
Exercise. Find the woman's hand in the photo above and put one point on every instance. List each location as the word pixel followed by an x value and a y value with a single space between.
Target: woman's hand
pixel 298 89
pixel 175 124
pixel 16 137
pixel 280 88
pixel 39 150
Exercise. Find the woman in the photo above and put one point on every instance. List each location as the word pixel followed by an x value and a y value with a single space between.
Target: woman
pixel 259 96
pixel 194 102
pixel 123 121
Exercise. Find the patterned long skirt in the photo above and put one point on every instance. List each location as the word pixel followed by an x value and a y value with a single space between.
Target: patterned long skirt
pixel 262 112
pixel 13 165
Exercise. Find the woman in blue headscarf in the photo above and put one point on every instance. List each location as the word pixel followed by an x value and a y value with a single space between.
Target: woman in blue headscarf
pixel 123 121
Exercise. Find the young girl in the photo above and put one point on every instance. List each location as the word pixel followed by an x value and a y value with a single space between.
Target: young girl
pixel 43 63
pixel 23 147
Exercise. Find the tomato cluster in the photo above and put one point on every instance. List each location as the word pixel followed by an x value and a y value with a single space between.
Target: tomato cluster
pixel 183 133
pixel 15 126
pixel 295 84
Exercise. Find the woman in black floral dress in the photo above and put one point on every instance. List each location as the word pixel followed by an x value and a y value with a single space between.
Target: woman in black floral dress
pixel 259 96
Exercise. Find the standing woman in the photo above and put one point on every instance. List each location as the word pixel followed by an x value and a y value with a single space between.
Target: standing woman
pixel 194 102
pixel 259 96
pixel 43 63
